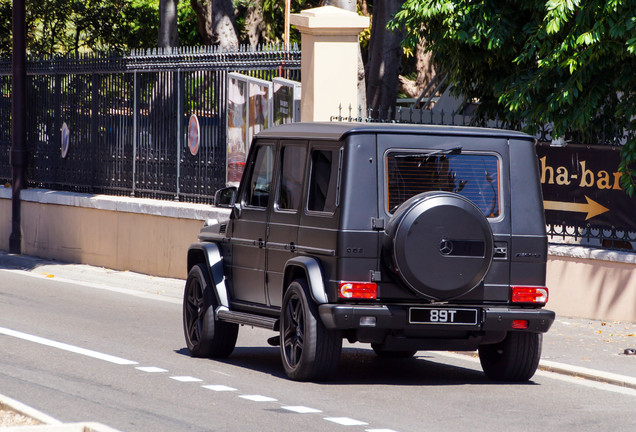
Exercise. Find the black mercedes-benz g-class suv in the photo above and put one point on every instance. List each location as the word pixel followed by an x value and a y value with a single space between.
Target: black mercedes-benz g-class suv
pixel 405 237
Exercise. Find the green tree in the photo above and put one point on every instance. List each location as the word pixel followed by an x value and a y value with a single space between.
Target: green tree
pixel 74 26
pixel 569 63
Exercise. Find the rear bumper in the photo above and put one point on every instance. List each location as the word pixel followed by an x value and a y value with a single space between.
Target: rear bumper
pixel 383 317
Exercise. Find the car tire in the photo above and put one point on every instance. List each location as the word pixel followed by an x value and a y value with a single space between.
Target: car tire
pixel 392 354
pixel 205 336
pixel 514 359
pixel 309 351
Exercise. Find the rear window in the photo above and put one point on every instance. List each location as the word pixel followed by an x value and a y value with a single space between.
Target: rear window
pixel 474 176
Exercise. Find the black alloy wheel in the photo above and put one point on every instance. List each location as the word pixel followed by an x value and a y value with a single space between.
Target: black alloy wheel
pixel 309 351
pixel 205 337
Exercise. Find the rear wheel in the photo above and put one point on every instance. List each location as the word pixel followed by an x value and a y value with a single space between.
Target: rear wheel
pixel 309 351
pixel 516 358
pixel 205 336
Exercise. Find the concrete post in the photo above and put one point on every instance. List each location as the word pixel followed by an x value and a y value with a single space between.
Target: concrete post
pixel 329 65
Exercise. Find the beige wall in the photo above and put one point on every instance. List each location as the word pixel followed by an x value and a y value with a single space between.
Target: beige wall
pixel 5 223
pixel 590 288
pixel 142 235
pixel 124 241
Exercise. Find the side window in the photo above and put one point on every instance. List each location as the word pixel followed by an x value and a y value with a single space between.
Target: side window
pixel 259 186
pixel 292 169
pixel 323 181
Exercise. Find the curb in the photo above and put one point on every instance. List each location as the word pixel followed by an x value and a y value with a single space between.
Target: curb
pixel 68 427
pixel 589 374
pixel 49 424
pixel 561 369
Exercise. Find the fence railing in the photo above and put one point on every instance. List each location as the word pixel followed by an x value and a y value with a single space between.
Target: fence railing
pixel 607 237
pixel 118 125
pixel 607 133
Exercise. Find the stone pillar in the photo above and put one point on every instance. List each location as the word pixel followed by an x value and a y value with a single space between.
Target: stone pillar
pixel 329 65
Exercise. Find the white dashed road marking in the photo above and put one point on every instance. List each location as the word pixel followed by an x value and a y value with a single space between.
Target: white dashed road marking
pixel 151 369
pixel 219 388
pixel 301 409
pixel 346 421
pixel 258 398
pixel 186 379
pixel 66 347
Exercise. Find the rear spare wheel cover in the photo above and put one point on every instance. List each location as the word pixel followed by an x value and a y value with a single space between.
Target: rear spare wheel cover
pixel 442 244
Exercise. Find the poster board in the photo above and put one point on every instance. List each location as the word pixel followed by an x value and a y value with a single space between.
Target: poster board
pixel 249 112
pixel 286 101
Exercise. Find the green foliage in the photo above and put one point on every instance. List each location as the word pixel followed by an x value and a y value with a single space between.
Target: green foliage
pixel 274 17
pixel 187 25
pixel 77 26
pixel 566 62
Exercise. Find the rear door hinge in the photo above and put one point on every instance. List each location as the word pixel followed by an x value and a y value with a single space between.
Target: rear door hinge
pixel 375 276
pixel 377 224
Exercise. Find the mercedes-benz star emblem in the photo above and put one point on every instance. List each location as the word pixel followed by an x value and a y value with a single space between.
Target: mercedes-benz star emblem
pixel 446 247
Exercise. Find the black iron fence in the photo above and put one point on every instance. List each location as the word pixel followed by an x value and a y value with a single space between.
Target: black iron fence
pixel 608 132
pixel 609 232
pixel 118 125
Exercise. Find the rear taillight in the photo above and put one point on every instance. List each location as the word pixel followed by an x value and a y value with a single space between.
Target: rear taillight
pixel 529 294
pixel 358 290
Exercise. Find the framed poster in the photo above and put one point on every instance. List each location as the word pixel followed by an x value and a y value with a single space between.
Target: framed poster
pixel 286 101
pixel 249 112
pixel 236 128
pixel 260 96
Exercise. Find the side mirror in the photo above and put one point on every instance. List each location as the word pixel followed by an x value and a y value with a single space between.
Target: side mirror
pixel 225 197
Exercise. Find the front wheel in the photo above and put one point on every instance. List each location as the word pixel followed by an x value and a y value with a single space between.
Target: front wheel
pixel 205 336
pixel 516 358
pixel 309 350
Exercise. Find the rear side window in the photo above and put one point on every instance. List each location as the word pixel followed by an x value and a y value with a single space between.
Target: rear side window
pixel 292 170
pixel 260 182
pixel 474 176
pixel 323 181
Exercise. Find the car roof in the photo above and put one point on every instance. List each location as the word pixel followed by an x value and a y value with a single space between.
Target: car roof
pixel 340 130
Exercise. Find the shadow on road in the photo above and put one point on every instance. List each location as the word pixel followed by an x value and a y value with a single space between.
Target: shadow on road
pixel 359 366
pixel 23 262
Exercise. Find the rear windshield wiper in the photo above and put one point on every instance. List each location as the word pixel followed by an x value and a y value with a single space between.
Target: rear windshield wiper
pixel 453 150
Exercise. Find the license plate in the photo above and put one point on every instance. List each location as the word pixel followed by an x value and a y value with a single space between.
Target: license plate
pixel 449 316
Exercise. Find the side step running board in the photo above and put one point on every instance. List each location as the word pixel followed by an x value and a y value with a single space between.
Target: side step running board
pixel 247 319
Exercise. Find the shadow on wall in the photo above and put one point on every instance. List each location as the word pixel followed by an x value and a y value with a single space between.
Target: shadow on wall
pixel 593 289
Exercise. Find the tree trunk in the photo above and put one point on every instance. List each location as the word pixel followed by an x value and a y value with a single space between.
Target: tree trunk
pixel 425 73
pixel 385 59
pixel 351 5
pixel 168 36
pixel 254 24
pixel 203 10
pixel 216 23
pixel 224 24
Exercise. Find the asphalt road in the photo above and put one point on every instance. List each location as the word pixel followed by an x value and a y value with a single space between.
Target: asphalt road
pixel 117 356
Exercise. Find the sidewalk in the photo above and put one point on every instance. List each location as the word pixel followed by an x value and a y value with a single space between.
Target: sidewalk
pixel 585 348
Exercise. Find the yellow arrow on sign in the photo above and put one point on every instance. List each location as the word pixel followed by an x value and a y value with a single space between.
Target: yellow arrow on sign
pixel 592 208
